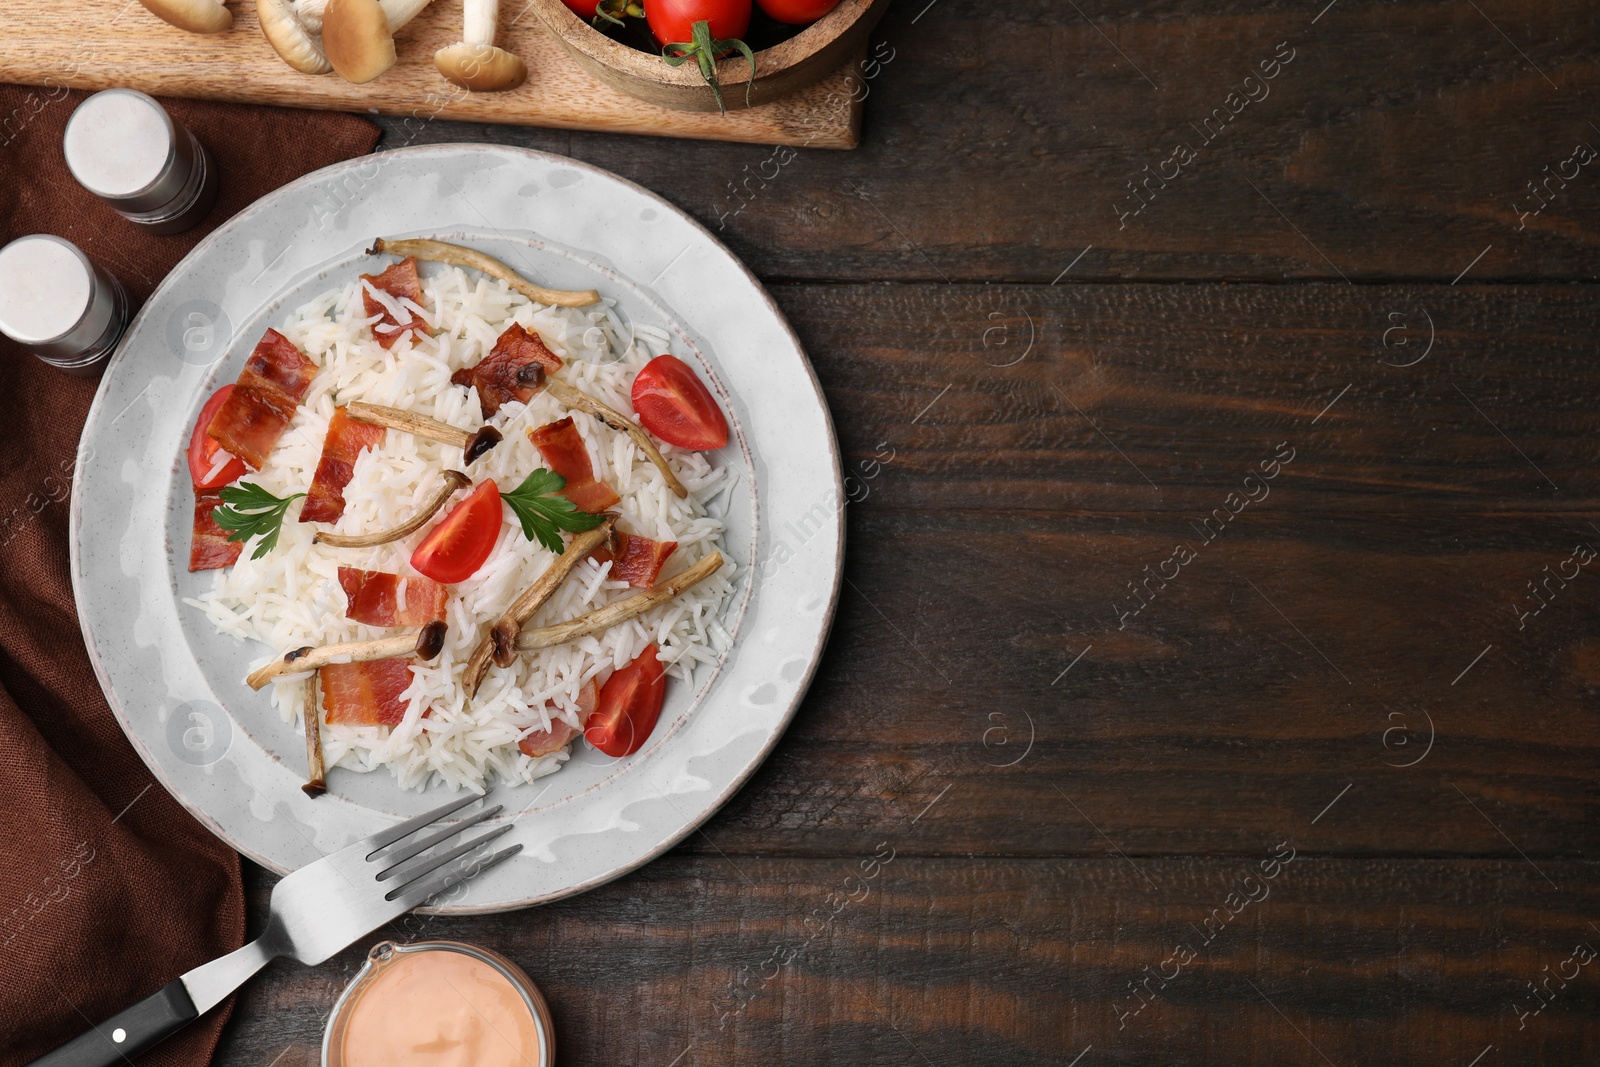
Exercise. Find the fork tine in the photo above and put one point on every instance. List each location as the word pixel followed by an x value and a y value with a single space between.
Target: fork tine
pixel 384 838
pixel 421 891
pixel 429 864
pixel 395 859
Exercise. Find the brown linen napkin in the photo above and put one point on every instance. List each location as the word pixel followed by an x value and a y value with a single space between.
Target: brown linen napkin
pixel 108 889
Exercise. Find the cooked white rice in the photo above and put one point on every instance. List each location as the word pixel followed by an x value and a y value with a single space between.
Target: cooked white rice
pixel 292 597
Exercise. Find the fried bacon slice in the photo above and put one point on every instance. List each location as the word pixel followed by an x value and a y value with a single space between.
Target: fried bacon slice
pixel 365 694
pixel 378 598
pixel 637 560
pixel 399 280
pixel 507 373
pixel 346 438
pixel 578 400
pixel 543 742
pixel 562 448
pixel 274 381
pixel 210 548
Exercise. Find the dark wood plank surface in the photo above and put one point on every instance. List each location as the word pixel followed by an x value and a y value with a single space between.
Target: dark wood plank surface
pixel 1000 141
pixel 708 959
pixel 1143 398
pixel 1092 666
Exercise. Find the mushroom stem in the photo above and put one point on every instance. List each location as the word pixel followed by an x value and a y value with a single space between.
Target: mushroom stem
pixel 427 643
pixel 473 443
pixel 400 12
pixel 457 256
pixel 453 480
pixel 497 644
pixel 576 398
pixel 478 21
pixel 602 619
pixel 316 770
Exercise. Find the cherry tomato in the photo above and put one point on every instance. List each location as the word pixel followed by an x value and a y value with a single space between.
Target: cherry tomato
pixel 630 703
pixel 673 404
pixel 584 9
pixel 672 21
pixel 203 449
pixel 794 12
pixel 457 547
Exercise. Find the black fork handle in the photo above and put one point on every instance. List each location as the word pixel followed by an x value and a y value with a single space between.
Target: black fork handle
pixel 127 1033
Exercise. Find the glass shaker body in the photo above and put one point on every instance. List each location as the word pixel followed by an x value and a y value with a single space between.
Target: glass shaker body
pixel 123 147
pixel 53 300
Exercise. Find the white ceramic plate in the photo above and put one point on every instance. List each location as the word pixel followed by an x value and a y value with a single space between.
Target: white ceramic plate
pixel 177 686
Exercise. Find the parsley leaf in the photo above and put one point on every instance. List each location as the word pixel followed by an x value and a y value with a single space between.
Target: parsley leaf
pixel 249 510
pixel 544 514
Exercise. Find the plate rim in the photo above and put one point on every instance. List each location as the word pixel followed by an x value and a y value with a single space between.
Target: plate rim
pixel 267 202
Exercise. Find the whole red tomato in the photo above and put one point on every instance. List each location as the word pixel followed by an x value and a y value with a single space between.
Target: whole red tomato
pixel 584 9
pixel 672 21
pixel 794 12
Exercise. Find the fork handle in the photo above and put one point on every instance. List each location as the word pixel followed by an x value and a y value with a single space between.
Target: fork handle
pixel 139 1027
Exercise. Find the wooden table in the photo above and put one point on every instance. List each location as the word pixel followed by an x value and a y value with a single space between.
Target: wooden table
pixel 1201 537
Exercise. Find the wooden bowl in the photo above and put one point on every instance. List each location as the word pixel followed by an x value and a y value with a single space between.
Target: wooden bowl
pixel 810 55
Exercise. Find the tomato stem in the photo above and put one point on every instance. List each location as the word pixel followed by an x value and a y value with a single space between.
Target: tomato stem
pixel 620 9
pixel 704 49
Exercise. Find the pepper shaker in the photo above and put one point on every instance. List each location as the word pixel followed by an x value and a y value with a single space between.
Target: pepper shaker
pixel 55 301
pixel 123 147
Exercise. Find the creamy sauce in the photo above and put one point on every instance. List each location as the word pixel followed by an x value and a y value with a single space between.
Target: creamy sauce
pixel 440 1009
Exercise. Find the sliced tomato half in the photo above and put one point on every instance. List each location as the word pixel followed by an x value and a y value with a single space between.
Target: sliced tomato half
pixel 630 703
pixel 676 406
pixel 210 467
pixel 455 549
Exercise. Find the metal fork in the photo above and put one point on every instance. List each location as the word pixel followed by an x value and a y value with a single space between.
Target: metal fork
pixel 315 912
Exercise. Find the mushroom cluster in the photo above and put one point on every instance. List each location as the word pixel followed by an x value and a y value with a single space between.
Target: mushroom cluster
pixel 355 38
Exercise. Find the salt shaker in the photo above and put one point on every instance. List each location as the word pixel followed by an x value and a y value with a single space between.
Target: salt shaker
pixel 123 147
pixel 53 300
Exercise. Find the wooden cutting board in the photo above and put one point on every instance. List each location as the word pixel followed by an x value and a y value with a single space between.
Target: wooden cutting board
pixel 96 44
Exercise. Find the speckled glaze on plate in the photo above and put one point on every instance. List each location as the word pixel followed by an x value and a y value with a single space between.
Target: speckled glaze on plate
pixel 177 686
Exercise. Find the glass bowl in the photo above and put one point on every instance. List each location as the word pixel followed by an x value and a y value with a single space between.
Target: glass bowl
pixel 386 954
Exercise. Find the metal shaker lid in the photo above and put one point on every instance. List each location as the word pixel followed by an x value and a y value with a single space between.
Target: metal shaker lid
pixel 47 288
pixel 123 147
